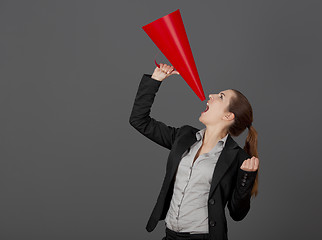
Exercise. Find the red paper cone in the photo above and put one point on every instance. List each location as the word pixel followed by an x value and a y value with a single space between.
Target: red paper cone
pixel 169 34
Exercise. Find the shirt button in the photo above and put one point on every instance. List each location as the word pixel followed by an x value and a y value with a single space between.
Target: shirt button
pixel 182 192
pixel 178 205
pixel 177 218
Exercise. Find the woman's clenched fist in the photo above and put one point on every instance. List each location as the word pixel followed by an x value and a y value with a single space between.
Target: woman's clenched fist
pixel 250 164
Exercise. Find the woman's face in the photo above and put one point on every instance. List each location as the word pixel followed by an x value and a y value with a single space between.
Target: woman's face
pixel 217 112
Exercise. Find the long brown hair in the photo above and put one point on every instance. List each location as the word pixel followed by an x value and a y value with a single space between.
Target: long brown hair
pixel 240 106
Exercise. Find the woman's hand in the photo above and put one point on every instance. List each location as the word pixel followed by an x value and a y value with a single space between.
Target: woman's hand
pixel 250 164
pixel 163 72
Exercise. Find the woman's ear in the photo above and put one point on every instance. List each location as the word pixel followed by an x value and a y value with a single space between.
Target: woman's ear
pixel 230 116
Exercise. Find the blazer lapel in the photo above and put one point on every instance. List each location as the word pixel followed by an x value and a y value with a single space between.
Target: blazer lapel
pixel 186 142
pixel 225 159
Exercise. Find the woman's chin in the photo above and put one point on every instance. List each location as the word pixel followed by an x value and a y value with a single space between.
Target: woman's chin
pixel 201 117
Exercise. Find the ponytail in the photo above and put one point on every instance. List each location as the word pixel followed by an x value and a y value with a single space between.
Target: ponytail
pixel 251 148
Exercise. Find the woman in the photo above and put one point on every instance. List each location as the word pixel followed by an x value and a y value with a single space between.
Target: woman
pixel 206 169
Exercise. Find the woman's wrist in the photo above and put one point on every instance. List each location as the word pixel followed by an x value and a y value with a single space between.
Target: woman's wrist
pixel 155 78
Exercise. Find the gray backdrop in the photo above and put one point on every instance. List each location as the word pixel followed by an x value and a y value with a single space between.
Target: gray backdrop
pixel 72 167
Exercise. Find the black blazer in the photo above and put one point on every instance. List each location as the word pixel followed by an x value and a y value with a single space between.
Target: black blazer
pixel 230 184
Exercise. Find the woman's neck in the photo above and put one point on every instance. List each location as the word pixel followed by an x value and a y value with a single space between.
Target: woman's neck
pixel 212 135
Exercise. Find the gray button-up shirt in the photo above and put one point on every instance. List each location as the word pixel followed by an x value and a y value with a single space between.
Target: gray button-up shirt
pixel 188 211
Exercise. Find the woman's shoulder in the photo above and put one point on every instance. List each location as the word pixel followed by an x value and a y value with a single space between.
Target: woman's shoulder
pixel 242 154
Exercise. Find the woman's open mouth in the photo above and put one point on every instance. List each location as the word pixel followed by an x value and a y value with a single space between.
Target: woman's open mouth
pixel 207 108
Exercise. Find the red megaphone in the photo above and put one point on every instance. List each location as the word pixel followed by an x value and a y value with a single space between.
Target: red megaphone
pixel 169 34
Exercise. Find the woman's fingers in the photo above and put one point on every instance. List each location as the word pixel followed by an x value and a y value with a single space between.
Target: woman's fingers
pixel 256 163
pixel 163 67
pixel 167 69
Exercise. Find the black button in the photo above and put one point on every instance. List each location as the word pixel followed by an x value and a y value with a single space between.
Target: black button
pixel 212 223
pixel 243 184
pixel 211 201
pixel 244 180
pixel 245 175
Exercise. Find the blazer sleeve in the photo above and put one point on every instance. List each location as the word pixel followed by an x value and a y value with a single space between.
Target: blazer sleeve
pixel 239 203
pixel 140 119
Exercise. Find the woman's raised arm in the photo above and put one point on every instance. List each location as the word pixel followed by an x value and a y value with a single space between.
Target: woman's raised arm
pixel 140 118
